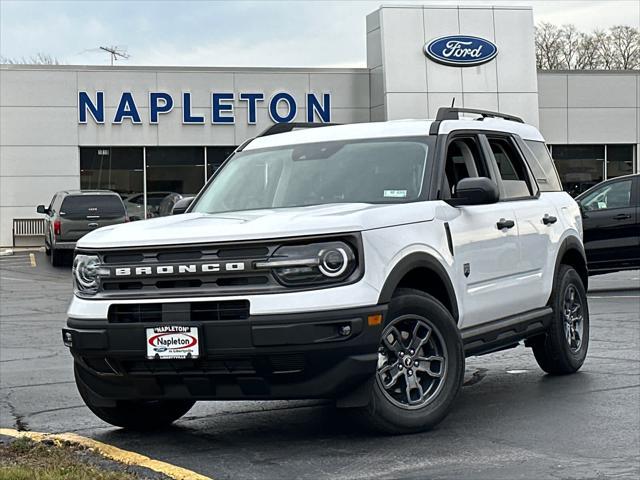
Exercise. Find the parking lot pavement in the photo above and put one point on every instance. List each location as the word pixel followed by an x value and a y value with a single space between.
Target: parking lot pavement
pixel 510 421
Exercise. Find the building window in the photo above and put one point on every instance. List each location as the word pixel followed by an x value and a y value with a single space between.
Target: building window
pixel 580 166
pixel 119 169
pixel 172 173
pixel 619 160
pixel 215 157
pixel 175 170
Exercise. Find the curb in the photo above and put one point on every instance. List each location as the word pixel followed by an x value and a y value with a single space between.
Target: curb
pixel 110 452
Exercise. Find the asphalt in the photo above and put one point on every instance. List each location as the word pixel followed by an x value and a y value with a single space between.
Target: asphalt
pixel 511 421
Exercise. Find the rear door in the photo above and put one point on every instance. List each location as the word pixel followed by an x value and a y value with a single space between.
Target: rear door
pixel 81 214
pixel 610 224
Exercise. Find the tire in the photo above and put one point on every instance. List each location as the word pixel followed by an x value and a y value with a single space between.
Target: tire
pixel 396 404
pixel 553 351
pixel 141 415
pixel 57 257
pixel 47 249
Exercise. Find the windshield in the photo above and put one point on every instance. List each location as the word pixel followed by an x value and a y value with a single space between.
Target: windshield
pixel 355 171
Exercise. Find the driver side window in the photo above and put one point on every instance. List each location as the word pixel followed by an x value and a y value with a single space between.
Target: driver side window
pixel 463 160
pixel 612 195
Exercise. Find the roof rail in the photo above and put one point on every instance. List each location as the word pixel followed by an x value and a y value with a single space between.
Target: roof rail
pixel 453 113
pixel 288 127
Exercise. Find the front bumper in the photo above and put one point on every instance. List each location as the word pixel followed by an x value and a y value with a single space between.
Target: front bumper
pixel 287 356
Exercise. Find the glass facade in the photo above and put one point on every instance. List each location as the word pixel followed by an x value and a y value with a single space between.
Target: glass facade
pixel 119 169
pixel 171 173
pixel 582 166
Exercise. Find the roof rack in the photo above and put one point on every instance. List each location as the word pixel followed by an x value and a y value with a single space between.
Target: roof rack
pixel 453 113
pixel 288 127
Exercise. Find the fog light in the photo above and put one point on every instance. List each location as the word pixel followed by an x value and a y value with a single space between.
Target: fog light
pixel 67 338
pixel 345 330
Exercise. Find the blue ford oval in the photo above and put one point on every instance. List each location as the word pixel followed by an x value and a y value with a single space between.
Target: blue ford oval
pixel 460 50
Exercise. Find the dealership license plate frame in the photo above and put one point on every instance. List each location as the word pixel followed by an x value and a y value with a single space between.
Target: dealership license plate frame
pixel 176 332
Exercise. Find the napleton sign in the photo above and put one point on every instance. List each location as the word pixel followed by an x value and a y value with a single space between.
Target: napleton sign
pixel 282 107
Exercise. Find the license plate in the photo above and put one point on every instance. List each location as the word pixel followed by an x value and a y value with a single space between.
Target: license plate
pixel 172 342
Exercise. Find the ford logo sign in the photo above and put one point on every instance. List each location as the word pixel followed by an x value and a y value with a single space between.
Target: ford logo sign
pixel 460 50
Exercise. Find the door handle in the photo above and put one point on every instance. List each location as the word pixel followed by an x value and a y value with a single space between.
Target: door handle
pixel 549 219
pixel 92 225
pixel 621 216
pixel 502 223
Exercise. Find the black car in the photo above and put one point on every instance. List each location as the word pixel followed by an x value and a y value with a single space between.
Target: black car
pixel 611 224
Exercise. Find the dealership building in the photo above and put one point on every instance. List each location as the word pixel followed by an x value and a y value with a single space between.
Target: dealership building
pixel 146 131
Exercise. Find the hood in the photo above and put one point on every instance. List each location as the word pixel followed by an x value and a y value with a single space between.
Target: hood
pixel 257 224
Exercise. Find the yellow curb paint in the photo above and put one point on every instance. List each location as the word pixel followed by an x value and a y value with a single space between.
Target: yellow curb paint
pixel 32 257
pixel 111 452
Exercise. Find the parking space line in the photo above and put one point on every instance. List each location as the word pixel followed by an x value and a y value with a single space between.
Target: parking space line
pixel 32 258
pixel 110 452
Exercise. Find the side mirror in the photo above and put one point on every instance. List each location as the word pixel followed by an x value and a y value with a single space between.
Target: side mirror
pixel 41 209
pixel 181 205
pixel 475 191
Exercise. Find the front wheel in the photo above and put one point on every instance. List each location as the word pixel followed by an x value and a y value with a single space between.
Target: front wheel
pixel 136 414
pixel 564 347
pixel 420 366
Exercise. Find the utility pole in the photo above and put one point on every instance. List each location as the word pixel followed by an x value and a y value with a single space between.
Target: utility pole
pixel 115 52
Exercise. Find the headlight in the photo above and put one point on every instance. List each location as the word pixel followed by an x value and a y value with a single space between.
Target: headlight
pixel 87 271
pixel 313 264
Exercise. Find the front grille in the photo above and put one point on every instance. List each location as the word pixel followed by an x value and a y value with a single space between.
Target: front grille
pixel 178 312
pixel 186 277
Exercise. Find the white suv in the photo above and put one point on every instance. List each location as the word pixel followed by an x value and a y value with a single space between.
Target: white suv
pixel 361 263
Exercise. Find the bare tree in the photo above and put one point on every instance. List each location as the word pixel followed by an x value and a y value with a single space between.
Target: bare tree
pixel 548 44
pixel 567 48
pixel 37 59
pixel 587 57
pixel 625 43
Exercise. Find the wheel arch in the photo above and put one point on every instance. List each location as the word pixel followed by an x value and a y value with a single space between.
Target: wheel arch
pixel 571 252
pixel 423 272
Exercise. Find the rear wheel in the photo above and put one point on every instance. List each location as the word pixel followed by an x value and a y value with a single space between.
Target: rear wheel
pixel 136 414
pixel 564 347
pixel 420 365
pixel 56 256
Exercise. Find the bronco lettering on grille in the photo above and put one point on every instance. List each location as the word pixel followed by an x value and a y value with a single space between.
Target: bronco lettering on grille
pixel 179 269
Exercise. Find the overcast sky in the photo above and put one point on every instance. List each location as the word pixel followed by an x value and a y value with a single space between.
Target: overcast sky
pixel 237 33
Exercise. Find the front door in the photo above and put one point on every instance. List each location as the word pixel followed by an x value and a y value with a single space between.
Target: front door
pixel 485 240
pixel 610 225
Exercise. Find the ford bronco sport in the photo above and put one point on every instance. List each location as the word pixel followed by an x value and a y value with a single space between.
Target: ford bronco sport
pixel 360 263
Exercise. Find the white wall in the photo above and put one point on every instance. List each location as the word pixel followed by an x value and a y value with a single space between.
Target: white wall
pixel 405 83
pixel 590 107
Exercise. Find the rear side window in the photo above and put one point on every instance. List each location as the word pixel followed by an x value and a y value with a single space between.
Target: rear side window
pixel 542 166
pixel 84 205
pixel 511 167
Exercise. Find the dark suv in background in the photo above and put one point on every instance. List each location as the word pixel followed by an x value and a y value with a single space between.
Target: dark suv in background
pixel 611 224
pixel 74 213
